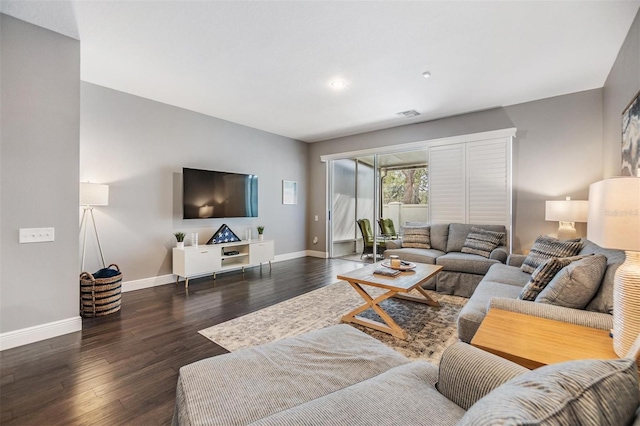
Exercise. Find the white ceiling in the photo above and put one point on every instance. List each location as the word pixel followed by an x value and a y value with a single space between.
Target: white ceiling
pixel 267 64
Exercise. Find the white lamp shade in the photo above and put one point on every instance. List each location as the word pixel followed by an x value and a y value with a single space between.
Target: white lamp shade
pixel 566 211
pixel 614 213
pixel 94 194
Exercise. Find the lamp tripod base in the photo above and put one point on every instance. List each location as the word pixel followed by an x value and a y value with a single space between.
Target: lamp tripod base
pixel 83 224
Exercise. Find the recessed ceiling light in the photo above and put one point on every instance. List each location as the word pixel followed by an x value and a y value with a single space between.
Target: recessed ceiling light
pixel 426 74
pixel 338 84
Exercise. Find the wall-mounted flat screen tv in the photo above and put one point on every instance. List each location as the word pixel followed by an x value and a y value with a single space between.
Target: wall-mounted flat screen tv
pixel 212 194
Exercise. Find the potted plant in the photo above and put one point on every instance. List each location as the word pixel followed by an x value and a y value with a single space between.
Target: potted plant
pixel 180 239
pixel 260 232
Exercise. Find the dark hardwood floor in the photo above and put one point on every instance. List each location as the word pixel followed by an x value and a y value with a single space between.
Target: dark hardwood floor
pixel 122 369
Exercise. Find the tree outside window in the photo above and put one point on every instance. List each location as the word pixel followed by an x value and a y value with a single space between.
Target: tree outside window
pixel 408 186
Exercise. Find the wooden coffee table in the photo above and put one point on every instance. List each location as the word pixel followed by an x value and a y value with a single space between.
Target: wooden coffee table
pixel 533 342
pixel 398 286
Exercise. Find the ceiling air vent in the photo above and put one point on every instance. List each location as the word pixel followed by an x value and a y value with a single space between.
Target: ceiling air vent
pixel 408 113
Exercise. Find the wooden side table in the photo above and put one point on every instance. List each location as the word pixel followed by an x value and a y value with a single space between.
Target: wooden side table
pixel 533 342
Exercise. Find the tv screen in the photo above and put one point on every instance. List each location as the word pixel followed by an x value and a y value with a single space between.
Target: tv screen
pixel 211 194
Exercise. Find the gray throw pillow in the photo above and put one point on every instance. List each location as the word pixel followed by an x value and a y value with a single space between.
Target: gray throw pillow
pixel 482 242
pixel 585 392
pixel 543 276
pixel 416 237
pixel 576 284
pixel 546 247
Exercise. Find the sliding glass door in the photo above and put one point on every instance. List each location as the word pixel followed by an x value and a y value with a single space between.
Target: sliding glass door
pixel 365 189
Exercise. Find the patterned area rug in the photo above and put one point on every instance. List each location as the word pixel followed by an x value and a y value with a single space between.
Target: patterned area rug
pixel 430 329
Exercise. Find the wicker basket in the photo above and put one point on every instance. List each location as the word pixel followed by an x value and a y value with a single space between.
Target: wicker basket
pixel 100 296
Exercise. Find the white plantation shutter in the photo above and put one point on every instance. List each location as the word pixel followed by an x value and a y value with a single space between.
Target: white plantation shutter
pixel 470 182
pixel 487 184
pixel 447 184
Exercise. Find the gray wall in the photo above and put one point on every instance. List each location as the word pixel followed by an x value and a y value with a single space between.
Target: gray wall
pixel 620 88
pixel 139 147
pixel 40 102
pixel 557 152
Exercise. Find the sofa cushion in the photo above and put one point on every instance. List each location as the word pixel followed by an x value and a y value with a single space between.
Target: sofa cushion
pixel 440 236
pixel 603 300
pixel 458 233
pixel 427 256
pixel 464 262
pixel 546 247
pixel 481 242
pixel 472 314
pixel 543 275
pixel 505 274
pixel 404 395
pixel 585 392
pixel 276 376
pixel 576 284
pixel 467 374
pixel 416 237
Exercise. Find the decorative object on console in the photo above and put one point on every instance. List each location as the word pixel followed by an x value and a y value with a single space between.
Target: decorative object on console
pixel 567 212
pixel 91 195
pixel 614 222
pixel 224 234
pixel 631 138
pixel 179 239
pixel 260 232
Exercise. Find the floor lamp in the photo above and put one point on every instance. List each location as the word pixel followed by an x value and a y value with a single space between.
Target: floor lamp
pixel 614 222
pixel 91 194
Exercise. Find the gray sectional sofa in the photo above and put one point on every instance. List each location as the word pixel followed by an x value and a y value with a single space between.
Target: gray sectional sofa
pixel 502 285
pixel 341 376
pixel 461 272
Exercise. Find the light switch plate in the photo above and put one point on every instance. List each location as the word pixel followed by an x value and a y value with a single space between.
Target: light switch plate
pixel 36 235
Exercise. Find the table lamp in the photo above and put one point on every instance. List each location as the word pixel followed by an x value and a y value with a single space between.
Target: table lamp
pixel 92 194
pixel 614 222
pixel 567 212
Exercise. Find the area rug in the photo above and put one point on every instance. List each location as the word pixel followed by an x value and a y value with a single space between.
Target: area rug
pixel 430 329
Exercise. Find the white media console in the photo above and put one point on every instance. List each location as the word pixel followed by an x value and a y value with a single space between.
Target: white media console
pixel 198 260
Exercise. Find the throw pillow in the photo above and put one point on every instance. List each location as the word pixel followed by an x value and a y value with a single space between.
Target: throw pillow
pixel 482 242
pixel 576 284
pixel 542 275
pixel 547 247
pixel 416 237
pixel 585 392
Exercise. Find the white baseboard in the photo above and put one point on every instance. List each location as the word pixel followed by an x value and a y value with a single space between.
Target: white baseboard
pixel 24 336
pixel 320 254
pixel 148 282
pixel 289 256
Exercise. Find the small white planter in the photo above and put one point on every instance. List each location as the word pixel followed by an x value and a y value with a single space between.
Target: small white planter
pixel 261 237
pixel 180 244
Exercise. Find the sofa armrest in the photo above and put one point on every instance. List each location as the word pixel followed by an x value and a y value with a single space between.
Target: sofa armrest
pixel 393 244
pixel 467 373
pixel 500 253
pixel 559 313
pixel 516 260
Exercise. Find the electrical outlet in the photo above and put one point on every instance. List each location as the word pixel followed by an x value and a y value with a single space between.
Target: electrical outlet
pixel 36 235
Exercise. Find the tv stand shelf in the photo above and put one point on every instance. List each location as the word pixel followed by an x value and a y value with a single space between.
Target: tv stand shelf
pixel 207 259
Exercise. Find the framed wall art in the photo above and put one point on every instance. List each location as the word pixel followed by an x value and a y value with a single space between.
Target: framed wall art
pixel 289 192
pixel 631 138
